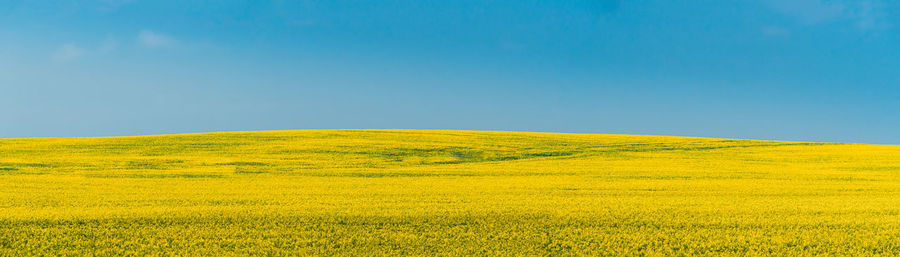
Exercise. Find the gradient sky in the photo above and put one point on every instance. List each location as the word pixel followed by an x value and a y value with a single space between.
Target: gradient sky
pixel 805 70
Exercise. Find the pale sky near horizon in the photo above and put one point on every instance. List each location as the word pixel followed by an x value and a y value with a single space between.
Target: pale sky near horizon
pixel 802 70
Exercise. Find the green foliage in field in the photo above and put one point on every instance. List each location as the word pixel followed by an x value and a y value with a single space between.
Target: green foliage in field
pixel 455 193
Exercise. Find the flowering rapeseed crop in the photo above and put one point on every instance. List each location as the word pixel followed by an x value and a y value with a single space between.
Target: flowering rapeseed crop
pixel 409 192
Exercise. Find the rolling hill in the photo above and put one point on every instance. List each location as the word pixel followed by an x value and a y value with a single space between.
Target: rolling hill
pixel 428 192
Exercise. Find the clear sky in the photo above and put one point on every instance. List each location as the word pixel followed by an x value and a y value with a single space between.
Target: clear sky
pixel 808 70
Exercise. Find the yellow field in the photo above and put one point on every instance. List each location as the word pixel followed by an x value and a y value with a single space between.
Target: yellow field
pixel 409 192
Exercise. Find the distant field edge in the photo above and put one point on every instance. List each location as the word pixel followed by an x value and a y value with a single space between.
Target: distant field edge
pixel 437 131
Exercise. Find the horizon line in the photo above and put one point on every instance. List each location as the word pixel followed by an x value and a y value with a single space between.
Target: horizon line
pixel 459 130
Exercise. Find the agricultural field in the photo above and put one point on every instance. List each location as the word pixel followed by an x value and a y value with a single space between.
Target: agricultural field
pixel 445 193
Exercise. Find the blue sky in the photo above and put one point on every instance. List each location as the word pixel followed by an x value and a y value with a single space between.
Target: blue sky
pixel 806 70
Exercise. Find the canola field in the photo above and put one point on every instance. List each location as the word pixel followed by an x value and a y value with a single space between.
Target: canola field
pixel 445 193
